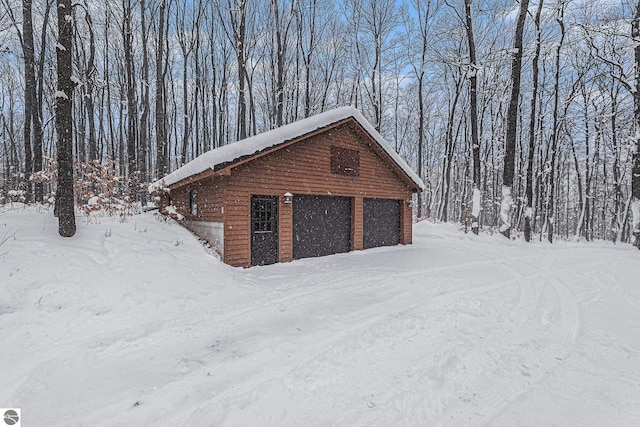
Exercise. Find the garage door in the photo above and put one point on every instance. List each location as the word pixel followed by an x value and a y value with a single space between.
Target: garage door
pixel 321 226
pixel 381 222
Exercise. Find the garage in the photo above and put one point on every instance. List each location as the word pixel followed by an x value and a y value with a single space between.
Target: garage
pixel 323 185
pixel 321 225
pixel 381 222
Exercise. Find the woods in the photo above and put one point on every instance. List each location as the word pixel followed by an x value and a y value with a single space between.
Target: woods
pixel 519 116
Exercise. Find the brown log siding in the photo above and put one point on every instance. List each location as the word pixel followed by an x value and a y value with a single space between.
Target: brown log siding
pixel 301 168
pixel 210 199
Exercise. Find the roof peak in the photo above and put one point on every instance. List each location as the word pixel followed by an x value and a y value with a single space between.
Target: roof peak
pixel 274 137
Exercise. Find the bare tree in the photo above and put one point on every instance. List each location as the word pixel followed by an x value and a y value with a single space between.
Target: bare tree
pixel 532 125
pixel 374 22
pixel 307 15
pixel 162 147
pixel 473 98
pixel 89 71
pixel 554 129
pixel 235 26
pixel 425 9
pixel 64 121
pixel 131 97
pixel 29 91
pixel 282 20
pixel 512 123
pixel 32 134
pixel 450 141
pixel 185 25
pixel 635 170
pixel 143 150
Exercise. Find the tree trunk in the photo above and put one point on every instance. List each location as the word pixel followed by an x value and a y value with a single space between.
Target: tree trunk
pixel 113 153
pixel 239 28
pixel 64 120
pixel 29 95
pixel 532 131
pixel 581 200
pixel 635 171
pixel 186 120
pixel 512 122
pixel 554 130
pixel 616 221
pixel 421 114
pixel 308 55
pixel 143 148
pixel 449 149
pixel 89 88
pixel 162 163
pixel 132 110
pixel 475 144
pixel 282 35
pixel 587 175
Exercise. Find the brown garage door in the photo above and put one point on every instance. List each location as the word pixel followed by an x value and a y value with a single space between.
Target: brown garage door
pixel 381 222
pixel 321 226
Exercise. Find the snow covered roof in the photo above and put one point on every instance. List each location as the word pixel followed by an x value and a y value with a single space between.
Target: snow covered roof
pixel 229 154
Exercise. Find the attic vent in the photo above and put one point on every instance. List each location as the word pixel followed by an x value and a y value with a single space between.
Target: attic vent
pixel 345 161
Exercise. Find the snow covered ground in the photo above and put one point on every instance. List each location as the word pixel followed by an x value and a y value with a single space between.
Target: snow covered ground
pixel 134 323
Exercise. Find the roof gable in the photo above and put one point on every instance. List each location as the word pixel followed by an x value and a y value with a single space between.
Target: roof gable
pixel 241 150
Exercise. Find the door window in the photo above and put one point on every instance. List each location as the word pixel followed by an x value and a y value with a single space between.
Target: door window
pixel 263 212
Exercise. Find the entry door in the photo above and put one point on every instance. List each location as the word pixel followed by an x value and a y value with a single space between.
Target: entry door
pixel 264 230
pixel 321 226
pixel 381 222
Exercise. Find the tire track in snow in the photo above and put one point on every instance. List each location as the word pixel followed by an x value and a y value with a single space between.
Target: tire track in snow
pixel 134 338
pixel 272 368
pixel 570 317
pixel 346 282
pixel 324 286
pixel 528 296
pixel 499 398
pixel 396 307
pixel 228 325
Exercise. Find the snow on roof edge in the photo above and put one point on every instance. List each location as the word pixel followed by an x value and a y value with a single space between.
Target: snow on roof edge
pixel 257 143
